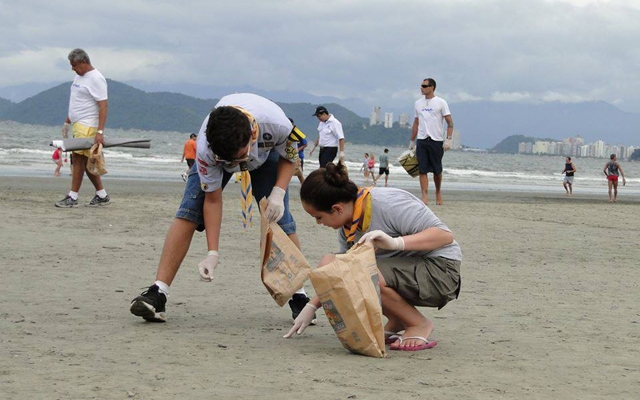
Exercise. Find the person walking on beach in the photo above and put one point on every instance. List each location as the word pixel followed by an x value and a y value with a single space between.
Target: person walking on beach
pixel 88 110
pixel 384 167
pixel 365 167
pixel 244 132
pixel 612 170
pixel 189 154
pixel 569 170
pixel 427 136
pixel 371 166
pixel 330 137
pixel 57 159
pixel 417 257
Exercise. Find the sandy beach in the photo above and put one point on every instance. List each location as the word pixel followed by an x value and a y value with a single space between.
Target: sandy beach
pixel 548 308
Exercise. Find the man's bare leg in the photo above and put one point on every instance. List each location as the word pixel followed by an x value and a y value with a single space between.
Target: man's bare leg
pixel 437 180
pixel 615 191
pixel 610 191
pixel 96 180
pixel 176 246
pixel 424 187
pixel 79 165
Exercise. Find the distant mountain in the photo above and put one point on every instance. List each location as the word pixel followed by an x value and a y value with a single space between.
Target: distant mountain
pixel 481 124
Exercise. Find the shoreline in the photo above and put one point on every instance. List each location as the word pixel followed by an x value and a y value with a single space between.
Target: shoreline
pixel 473 193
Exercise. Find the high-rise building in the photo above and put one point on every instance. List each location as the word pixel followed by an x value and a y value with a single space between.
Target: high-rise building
pixel 388 120
pixel 403 120
pixel 374 117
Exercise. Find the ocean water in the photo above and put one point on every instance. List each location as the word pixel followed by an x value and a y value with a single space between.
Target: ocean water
pixel 25 151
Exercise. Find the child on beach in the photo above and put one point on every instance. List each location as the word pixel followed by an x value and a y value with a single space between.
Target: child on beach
pixel 371 166
pixel 57 159
pixel 365 167
pixel 417 257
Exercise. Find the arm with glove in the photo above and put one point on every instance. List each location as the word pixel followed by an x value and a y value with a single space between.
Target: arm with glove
pixel 275 208
pixel 212 211
pixel 427 240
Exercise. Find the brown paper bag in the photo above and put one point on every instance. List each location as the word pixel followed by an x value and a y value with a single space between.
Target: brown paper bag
pixel 284 268
pixel 95 164
pixel 350 296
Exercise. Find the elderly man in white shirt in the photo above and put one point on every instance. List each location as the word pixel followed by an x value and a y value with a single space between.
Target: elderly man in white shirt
pixel 330 137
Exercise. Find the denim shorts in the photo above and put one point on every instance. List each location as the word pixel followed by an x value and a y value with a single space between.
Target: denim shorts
pixel 263 180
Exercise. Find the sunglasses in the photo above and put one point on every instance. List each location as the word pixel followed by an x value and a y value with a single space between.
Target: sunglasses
pixel 237 160
pixel 425 86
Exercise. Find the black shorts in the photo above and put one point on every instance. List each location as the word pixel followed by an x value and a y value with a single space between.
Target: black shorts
pixel 383 171
pixel 327 155
pixel 190 162
pixel 429 153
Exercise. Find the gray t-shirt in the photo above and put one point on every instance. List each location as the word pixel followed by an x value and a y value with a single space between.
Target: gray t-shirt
pixel 384 161
pixel 397 212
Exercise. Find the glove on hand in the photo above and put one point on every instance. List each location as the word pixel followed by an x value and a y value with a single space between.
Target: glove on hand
pixel 412 145
pixel 206 266
pixel 275 209
pixel 303 320
pixel 65 130
pixel 341 156
pixel 383 241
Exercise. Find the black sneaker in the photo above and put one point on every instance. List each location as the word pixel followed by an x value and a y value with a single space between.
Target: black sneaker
pixel 67 202
pixel 150 305
pixel 297 303
pixel 98 202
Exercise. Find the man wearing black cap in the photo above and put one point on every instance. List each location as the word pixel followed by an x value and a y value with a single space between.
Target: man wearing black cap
pixel 330 137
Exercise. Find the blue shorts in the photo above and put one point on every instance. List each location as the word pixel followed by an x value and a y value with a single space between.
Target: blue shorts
pixel 263 180
pixel 429 153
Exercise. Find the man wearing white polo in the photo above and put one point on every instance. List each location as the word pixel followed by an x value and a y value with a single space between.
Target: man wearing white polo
pixel 330 137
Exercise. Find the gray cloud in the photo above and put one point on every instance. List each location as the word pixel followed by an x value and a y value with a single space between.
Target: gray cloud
pixel 480 50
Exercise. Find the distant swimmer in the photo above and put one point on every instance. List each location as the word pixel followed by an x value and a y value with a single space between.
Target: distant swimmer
pixel 569 170
pixel 612 170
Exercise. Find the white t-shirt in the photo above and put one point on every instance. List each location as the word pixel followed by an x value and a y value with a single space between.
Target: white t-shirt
pixel 397 212
pixel 86 91
pixel 430 114
pixel 274 127
pixel 330 132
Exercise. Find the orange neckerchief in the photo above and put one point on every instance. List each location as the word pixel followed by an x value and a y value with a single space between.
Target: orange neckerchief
pixel 361 214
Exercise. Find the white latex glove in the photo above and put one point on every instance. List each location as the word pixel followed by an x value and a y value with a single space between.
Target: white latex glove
pixel 341 155
pixel 383 241
pixel 65 130
pixel 412 144
pixel 275 209
pixel 447 145
pixel 303 320
pixel 206 266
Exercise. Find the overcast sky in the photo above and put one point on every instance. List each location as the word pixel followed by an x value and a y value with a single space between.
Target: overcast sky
pixel 481 50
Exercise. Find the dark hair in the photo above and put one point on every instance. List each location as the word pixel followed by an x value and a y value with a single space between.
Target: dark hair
pixel 327 186
pixel 568 158
pixel 386 150
pixel 612 156
pixel 432 82
pixel 192 136
pixel 228 131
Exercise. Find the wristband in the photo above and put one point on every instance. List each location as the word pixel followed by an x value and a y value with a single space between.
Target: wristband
pixel 312 306
pixel 212 253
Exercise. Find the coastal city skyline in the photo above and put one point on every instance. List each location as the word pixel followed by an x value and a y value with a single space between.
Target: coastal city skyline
pixel 574 146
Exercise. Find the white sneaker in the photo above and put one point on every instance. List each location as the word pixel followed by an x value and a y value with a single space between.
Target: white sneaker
pixel 184 176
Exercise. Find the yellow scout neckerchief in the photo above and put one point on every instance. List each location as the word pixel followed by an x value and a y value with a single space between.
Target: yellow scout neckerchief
pixel 361 214
pixel 245 178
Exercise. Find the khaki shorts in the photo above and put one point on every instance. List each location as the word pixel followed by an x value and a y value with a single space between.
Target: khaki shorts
pixel 422 281
pixel 83 131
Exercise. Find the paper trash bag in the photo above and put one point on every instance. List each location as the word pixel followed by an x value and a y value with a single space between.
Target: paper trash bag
pixel 284 268
pixel 350 296
pixel 409 162
pixel 95 164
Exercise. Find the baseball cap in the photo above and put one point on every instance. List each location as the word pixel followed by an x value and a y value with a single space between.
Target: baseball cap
pixel 320 110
